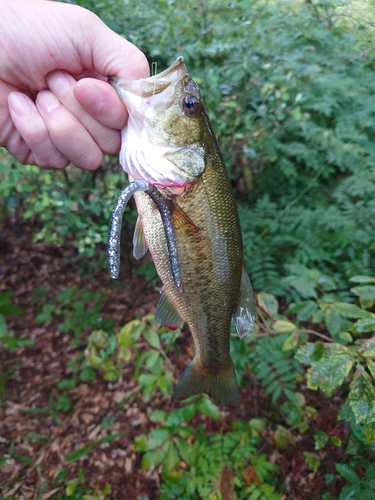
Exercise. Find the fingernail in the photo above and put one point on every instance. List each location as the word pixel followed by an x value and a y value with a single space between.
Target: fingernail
pixel 59 83
pixel 19 103
pixel 46 101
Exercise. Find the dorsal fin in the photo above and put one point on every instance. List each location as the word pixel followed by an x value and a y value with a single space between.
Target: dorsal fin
pixel 245 313
pixel 140 246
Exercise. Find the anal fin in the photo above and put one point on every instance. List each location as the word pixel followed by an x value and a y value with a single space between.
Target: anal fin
pixel 166 314
pixel 245 313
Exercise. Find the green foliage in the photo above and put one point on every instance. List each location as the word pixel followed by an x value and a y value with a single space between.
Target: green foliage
pixel 357 488
pixel 7 338
pixel 330 364
pixel 194 460
pixel 71 205
pixel 78 310
pixel 105 353
pixel 291 96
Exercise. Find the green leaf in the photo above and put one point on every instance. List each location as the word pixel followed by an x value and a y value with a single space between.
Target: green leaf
pixel 305 280
pixel 321 439
pixel 3 326
pixel 362 396
pixel 73 457
pixel 334 321
pixel 307 310
pixel 156 438
pixel 170 461
pixel 177 417
pixel 367 349
pixel 283 438
pixel 158 416
pixel 283 326
pixel 153 458
pixel 207 407
pixel 312 461
pixel 364 292
pixel 330 365
pixel 290 342
pixel 268 303
pixel 362 279
pixel 67 384
pixel 63 404
pixel 351 311
pixel 152 338
pixel 126 335
pixel 364 325
pixel 140 442
pixel 347 473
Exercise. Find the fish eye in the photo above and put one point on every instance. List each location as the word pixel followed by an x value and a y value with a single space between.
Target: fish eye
pixel 190 105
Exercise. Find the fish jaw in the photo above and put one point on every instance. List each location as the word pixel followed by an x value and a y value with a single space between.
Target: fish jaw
pixel 152 151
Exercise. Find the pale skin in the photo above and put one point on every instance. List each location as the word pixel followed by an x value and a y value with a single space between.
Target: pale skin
pixel 56 106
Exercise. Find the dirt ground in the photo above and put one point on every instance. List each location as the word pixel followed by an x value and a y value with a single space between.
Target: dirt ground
pixel 37 440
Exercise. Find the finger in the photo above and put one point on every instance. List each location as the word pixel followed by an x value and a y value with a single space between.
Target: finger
pixel 112 55
pixel 67 133
pixel 102 102
pixel 62 85
pixel 32 128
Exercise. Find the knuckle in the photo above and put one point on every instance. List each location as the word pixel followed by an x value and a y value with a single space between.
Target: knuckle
pixel 90 161
pixel 111 144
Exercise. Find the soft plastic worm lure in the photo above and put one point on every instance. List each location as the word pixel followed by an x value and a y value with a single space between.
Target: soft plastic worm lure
pixel 170 234
pixel 114 231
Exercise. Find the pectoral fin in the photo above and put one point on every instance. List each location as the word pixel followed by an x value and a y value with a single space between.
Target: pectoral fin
pixel 166 314
pixel 181 221
pixel 140 246
pixel 244 316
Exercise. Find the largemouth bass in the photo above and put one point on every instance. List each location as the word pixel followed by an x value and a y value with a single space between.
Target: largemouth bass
pixel 169 143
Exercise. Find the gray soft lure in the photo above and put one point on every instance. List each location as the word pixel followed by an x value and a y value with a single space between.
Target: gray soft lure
pixel 114 231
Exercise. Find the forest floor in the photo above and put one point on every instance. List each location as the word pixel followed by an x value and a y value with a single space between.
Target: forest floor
pixel 36 439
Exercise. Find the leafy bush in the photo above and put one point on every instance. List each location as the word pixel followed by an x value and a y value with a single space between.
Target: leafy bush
pixel 71 205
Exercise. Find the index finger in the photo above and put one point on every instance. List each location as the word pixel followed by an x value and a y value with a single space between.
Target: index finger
pixel 102 102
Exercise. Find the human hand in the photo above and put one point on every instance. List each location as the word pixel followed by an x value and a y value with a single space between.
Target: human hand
pixel 55 104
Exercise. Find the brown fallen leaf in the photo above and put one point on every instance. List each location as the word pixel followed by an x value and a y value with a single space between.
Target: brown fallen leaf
pixel 226 483
pixel 250 476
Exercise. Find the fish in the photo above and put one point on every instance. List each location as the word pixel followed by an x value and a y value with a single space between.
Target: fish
pixel 169 143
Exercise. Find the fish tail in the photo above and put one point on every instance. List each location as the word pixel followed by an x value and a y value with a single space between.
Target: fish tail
pixel 221 387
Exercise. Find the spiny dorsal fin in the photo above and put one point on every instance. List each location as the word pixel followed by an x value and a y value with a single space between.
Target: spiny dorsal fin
pixel 166 314
pixel 140 246
pixel 244 316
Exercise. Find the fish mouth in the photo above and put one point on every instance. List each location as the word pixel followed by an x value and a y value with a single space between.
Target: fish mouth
pixel 132 92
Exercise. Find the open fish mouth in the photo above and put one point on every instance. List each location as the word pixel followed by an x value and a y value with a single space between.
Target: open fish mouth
pixel 130 90
pixel 160 155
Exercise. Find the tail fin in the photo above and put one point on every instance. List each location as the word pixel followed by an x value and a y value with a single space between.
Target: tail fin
pixel 222 387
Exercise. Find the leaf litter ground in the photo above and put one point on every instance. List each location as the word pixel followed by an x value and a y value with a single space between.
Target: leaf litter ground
pixel 36 439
